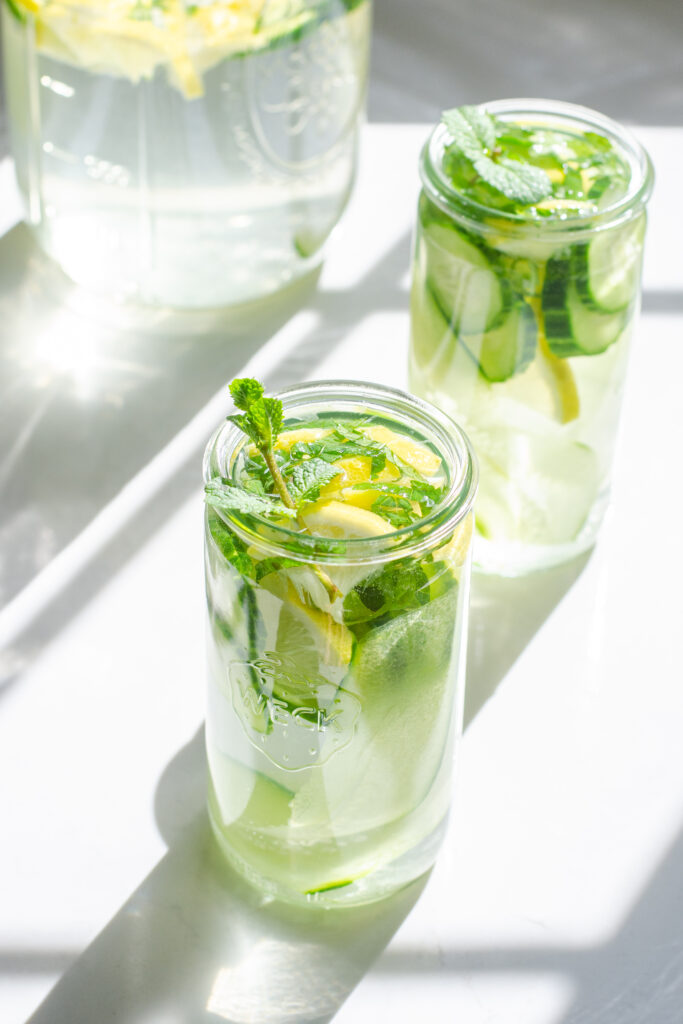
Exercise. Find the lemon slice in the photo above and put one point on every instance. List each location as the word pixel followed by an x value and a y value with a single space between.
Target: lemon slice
pixel 556 375
pixel 302 435
pixel 333 640
pixel 348 522
pixel 454 553
pixel 416 455
pixel 357 470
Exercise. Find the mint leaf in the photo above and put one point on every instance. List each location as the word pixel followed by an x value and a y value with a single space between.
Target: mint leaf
pixel 482 124
pixel 476 134
pixel 378 463
pixel 308 477
pixel 396 509
pixel 520 182
pixel 232 549
pixel 265 416
pixel 245 424
pixel 400 586
pixel 245 391
pixel 470 139
pixel 267 565
pixel 224 497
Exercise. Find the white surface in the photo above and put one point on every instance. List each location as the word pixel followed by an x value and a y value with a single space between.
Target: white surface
pixel 559 895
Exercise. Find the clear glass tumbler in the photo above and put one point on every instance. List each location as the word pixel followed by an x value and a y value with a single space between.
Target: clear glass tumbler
pixel 521 322
pixel 331 721
pixel 185 154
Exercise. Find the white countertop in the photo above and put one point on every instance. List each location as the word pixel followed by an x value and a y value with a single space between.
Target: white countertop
pixel 558 897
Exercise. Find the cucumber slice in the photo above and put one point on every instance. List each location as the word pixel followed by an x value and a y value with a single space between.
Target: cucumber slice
pixel 499 353
pixel 401 673
pixel 607 269
pixel 571 327
pixel 432 340
pixel 508 349
pixel 468 289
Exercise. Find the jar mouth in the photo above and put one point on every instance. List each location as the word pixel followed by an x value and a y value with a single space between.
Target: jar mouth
pixel 548 114
pixel 341 397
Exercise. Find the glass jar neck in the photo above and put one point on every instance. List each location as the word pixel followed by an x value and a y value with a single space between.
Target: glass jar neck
pixel 343 399
pixel 548 114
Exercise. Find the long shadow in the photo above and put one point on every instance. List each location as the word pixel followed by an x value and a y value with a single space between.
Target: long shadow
pixel 65 458
pixel 504 616
pixel 90 392
pixel 635 976
pixel 195 944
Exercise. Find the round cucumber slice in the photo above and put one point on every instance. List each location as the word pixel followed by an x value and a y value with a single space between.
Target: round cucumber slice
pixel 468 289
pixel 607 269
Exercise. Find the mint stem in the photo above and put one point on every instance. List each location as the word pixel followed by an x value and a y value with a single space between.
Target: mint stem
pixel 332 590
pixel 278 479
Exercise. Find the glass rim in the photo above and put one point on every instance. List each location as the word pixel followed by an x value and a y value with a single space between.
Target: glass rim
pixel 453 445
pixel 453 202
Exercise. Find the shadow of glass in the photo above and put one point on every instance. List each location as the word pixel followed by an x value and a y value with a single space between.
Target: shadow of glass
pixel 195 943
pixel 141 381
pixel 504 616
pixel 634 976
pixel 91 391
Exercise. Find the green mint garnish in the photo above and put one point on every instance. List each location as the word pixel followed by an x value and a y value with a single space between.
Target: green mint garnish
pixel 261 419
pixel 473 130
pixel 306 478
pixel 474 134
pixel 398 587
pixel 229 498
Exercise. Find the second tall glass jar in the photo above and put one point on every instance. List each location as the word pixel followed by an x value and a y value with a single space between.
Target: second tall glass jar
pixel 522 320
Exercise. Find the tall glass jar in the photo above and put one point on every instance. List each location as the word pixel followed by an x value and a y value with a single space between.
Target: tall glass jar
pixel 522 322
pixel 185 154
pixel 331 722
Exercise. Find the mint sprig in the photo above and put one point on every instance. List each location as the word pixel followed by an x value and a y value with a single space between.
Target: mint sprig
pixel 261 419
pixel 474 133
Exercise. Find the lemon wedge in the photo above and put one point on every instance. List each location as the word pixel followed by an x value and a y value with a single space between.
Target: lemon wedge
pixel 301 435
pixel 454 553
pixel 416 455
pixel 357 470
pixel 339 520
pixel 558 376
pixel 333 640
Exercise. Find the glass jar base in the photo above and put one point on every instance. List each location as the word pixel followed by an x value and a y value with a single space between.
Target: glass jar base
pixel 378 884
pixel 517 558
pixel 174 287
